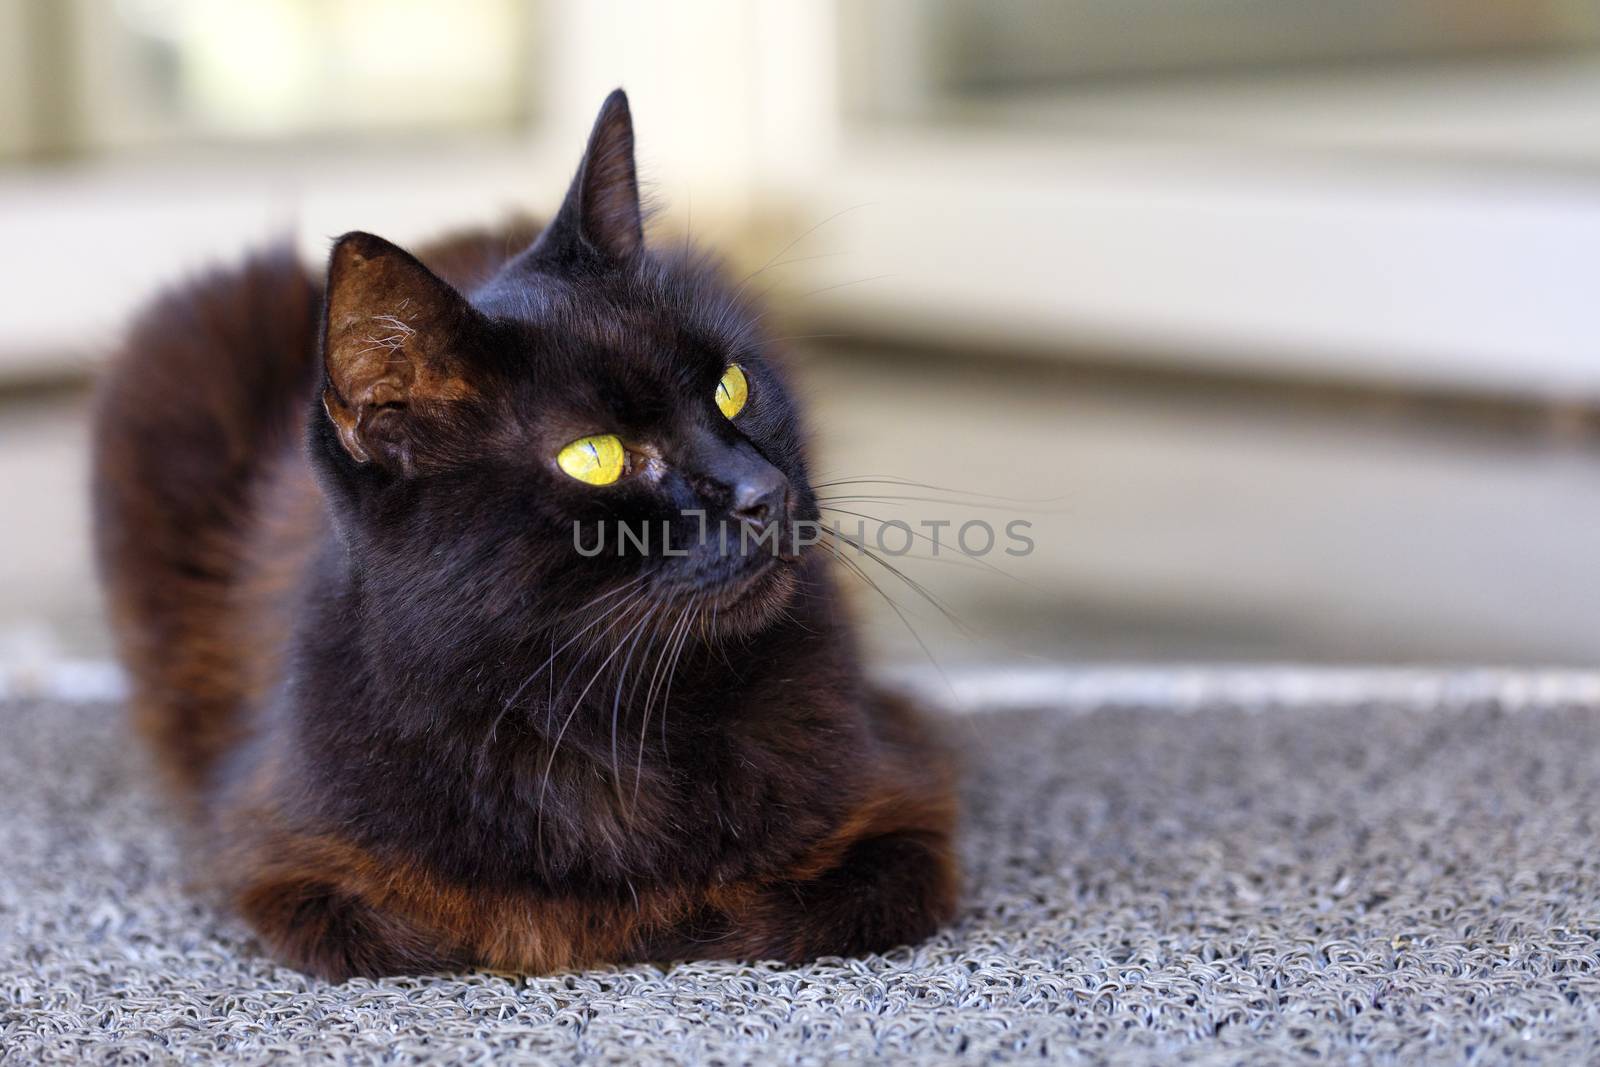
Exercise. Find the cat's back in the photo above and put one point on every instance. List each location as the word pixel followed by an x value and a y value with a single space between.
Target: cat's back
pixel 196 417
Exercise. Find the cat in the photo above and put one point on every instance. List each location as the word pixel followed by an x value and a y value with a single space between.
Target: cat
pixel 417 728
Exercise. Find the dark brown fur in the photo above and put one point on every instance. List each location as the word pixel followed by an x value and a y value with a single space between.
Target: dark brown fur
pixel 334 675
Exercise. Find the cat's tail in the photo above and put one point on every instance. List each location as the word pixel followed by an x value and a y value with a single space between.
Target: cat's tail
pixel 209 390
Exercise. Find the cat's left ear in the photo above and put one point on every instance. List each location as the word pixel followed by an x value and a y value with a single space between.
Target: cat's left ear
pixel 391 348
pixel 601 210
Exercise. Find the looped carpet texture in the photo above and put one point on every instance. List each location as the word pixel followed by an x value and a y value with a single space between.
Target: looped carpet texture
pixel 1162 867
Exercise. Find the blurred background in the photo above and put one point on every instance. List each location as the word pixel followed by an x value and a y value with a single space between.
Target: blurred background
pixel 1280 316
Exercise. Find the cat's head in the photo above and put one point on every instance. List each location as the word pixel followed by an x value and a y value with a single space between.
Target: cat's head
pixel 478 445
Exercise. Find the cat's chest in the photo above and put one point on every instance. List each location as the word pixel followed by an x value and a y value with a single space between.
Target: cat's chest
pixel 726 781
pixel 734 785
pixel 740 796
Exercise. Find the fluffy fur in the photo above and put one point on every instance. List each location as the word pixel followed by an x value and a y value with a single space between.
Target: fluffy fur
pixel 418 729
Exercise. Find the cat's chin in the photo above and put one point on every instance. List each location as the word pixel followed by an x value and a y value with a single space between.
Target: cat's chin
pixel 756 600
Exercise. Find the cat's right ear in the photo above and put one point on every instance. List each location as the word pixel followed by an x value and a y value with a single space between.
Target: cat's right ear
pixel 601 211
pixel 389 348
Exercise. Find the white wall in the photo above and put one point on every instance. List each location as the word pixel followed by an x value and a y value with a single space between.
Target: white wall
pixel 1438 229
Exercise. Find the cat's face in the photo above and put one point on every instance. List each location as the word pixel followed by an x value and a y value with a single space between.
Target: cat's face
pixel 593 427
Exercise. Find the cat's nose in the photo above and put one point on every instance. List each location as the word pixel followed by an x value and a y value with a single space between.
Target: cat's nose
pixel 760 499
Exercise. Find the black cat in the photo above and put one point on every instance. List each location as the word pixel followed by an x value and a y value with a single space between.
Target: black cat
pixel 340 532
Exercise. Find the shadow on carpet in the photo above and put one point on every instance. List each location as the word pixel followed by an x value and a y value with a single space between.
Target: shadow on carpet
pixel 1288 879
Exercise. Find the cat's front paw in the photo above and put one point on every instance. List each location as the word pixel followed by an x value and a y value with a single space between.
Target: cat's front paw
pixel 889 890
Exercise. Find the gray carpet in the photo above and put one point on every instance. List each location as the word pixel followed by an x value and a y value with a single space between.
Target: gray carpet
pixel 1208 870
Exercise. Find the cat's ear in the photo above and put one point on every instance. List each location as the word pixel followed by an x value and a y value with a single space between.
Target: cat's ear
pixel 602 209
pixel 390 347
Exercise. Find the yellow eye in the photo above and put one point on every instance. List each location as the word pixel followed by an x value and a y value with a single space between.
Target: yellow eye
pixel 598 460
pixel 732 391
